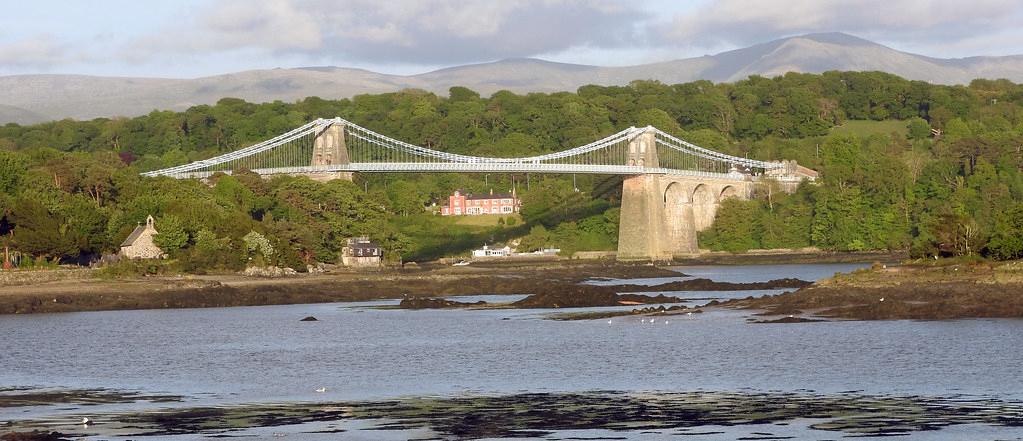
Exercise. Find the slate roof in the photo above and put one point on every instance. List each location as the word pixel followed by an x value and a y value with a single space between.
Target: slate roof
pixel 488 196
pixel 133 236
pixel 364 245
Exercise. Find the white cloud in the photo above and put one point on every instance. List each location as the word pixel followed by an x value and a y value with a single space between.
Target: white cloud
pixel 400 31
pixel 936 22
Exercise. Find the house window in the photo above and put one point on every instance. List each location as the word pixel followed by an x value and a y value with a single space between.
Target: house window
pixel 506 209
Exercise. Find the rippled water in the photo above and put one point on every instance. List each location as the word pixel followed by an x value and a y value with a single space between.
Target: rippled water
pixel 265 354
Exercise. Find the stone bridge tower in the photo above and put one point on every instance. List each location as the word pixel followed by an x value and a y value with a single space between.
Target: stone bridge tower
pixel 329 149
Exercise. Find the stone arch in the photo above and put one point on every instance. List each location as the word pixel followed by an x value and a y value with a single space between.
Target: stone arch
pixel 675 193
pixel 678 219
pixel 728 192
pixel 704 206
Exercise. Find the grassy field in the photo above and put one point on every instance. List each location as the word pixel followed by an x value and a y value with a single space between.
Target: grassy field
pixel 867 128
pixel 487 220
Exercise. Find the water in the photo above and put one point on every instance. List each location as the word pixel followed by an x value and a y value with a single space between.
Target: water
pixel 265 354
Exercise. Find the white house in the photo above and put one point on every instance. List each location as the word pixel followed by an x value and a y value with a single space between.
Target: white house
pixel 492 252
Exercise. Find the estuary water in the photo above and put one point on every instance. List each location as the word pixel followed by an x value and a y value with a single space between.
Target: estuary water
pixel 247 355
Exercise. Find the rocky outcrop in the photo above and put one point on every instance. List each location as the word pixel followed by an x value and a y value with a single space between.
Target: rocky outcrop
pixel 269 272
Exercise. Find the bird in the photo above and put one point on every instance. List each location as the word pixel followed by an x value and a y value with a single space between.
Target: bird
pixel 881 300
pixel 321 390
pixel 86 421
pixel 666 322
pixel 609 322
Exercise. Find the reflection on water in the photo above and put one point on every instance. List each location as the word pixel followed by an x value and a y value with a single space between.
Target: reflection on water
pixel 265 354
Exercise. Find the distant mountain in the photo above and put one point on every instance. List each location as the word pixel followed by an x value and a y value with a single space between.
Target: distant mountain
pixel 34 98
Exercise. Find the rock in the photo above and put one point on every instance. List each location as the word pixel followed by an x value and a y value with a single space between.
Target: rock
pixel 434 303
pixel 790 319
pixel 35 435
pixel 309 319
pixel 269 272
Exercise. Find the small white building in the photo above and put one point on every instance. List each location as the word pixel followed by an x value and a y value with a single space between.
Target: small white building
pixel 492 252
pixel 139 244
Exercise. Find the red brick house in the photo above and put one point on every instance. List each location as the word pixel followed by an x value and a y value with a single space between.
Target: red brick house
pixel 470 205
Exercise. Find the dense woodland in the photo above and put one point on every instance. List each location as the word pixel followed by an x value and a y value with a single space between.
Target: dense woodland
pixel 70 191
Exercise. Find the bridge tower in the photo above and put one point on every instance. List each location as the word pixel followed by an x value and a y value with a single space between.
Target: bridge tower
pixel 641 232
pixel 329 149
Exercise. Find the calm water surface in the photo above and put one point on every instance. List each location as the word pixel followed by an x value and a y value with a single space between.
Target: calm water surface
pixel 265 354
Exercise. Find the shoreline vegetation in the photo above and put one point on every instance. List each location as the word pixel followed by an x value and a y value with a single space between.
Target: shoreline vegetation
pixel 943 289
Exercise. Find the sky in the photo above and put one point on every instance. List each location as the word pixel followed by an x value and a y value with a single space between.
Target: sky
pixel 193 38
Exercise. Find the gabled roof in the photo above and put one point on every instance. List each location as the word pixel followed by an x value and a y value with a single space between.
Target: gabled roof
pixel 364 245
pixel 474 197
pixel 133 236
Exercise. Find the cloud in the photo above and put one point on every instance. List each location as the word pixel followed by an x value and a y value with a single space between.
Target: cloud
pixel 738 22
pixel 42 51
pixel 402 31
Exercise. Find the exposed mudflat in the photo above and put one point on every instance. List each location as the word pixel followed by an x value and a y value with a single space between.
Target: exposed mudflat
pixel 544 414
pixel 234 290
pixel 921 292
pixel 23 396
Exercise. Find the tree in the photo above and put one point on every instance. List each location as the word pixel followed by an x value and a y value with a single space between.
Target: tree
pixel 172 235
pixel 12 169
pixel 397 245
pixel 733 228
pixel 259 247
pixel 538 238
pixel 40 232
pixel 1007 238
pixel 918 129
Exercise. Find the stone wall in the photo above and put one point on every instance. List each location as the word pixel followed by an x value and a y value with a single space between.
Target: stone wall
pixel 27 277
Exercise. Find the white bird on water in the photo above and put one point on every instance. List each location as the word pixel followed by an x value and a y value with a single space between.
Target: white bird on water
pixel 321 390
pixel 609 322
pixel 86 421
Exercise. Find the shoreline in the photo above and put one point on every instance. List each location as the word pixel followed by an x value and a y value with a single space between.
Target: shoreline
pixel 82 292
pixel 164 292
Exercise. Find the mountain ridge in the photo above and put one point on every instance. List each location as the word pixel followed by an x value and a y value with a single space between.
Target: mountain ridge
pixel 36 98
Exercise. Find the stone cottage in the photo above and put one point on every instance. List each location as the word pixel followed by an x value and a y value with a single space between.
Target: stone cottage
pixel 360 252
pixel 139 244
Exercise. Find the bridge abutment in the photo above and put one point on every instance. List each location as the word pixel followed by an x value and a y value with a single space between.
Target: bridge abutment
pixel 662 214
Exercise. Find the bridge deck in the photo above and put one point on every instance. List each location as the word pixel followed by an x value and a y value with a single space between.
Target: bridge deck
pixel 398 167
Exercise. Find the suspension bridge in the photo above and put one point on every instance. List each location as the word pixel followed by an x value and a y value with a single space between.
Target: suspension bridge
pixel 671 190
